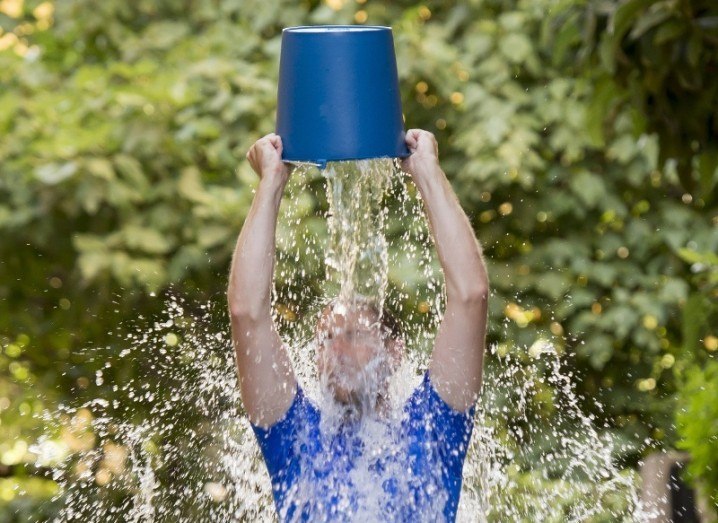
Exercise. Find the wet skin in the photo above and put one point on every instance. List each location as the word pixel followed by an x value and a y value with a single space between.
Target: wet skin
pixel 355 355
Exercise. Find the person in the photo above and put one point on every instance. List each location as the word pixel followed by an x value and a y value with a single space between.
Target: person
pixel 314 475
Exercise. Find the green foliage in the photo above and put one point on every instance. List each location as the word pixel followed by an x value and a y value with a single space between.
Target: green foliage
pixel 660 56
pixel 697 424
pixel 696 414
pixel 525 493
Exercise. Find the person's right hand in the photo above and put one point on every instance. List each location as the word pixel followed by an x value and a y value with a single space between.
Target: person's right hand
pixel 424 152
pixel 265 157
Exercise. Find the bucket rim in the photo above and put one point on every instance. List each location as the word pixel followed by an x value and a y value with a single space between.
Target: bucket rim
pixel 335 28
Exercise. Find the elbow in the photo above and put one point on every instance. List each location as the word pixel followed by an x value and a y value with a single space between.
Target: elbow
pixel 476 293
pixel 243 310
pixel 236 310
pixel 471 285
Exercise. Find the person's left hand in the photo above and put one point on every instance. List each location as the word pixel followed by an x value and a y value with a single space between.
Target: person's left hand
pixel 424 152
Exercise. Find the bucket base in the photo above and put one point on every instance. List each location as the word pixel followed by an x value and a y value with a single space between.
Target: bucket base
pixel 321 164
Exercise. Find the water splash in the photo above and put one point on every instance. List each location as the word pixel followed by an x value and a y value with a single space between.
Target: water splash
pixel 536 456
pixel 173 444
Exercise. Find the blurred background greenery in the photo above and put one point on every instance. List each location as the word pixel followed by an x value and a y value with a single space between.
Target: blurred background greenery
pixel 579 135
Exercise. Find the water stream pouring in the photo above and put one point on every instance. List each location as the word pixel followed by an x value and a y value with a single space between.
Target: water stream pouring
pixel 338 94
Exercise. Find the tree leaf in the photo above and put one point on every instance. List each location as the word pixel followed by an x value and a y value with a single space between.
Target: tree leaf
pixel 624 16
pixel 54 173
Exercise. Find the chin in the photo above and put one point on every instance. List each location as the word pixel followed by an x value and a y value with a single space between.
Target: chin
pixel 360 391
pixel 344 395
pixel 358 401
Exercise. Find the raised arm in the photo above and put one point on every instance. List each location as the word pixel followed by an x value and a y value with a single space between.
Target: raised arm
pixel 266 377
pixel 457 359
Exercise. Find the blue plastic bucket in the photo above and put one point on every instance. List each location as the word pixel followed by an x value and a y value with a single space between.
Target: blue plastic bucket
pixel 338 95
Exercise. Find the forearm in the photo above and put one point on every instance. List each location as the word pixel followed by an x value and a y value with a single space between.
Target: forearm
pixel 250 279
pixel 459 251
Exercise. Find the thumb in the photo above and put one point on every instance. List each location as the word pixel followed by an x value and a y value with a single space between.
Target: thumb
pixel 267 146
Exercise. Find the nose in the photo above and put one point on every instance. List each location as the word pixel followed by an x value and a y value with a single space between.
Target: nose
pixel 342 345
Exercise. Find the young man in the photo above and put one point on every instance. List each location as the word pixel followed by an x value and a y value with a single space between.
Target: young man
pixel 321 476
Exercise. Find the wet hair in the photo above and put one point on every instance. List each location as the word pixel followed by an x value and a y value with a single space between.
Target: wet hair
pixel 388 320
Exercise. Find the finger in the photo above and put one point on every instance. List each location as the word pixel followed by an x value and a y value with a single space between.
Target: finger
pixel 254 150
pixel 267 146
pixel 251 156
pixel 424 135
pixel 276 141
pixel 411 134
pixel 410 139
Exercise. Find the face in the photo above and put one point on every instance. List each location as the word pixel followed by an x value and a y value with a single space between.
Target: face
pixel 355 355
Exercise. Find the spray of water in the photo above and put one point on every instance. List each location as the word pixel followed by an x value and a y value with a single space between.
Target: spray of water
pixel 173 444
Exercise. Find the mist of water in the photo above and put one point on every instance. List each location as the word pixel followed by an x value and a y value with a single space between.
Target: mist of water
pixel 173 444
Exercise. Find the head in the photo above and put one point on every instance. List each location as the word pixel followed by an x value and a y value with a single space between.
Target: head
pixel 359 348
